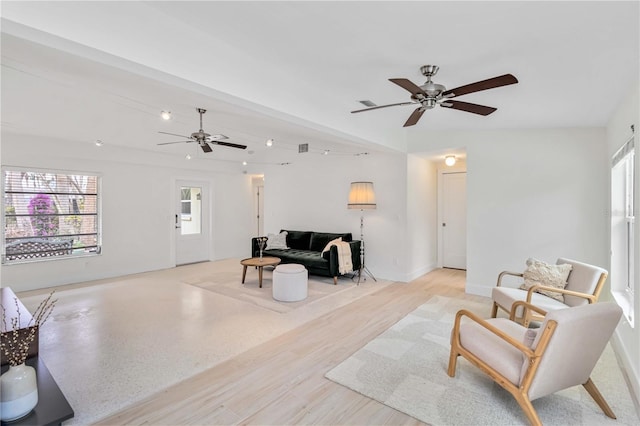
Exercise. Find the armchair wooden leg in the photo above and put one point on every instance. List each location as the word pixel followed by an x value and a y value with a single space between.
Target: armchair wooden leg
pixel 453 360
pixel 494 310
pixel 598 398
pixel 527 407
pixel 453 355
pixel 335 280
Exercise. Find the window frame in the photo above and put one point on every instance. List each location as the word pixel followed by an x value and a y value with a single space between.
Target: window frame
pixel 623 289
pixel 96 251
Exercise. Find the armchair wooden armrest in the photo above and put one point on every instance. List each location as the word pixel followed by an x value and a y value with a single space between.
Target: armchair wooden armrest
pixel 590 297
pixel 526 306
pixel 504 336
pixel 503 273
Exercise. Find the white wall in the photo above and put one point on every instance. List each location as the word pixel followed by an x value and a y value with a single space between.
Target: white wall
pixel 421 216
pixel 530 193
pixel 312 193
pixel 627 338
pixel 138 207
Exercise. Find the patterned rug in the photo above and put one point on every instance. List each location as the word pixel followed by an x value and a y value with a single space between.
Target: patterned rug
pixel 406 368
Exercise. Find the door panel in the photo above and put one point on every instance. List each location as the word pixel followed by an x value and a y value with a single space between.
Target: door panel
pixel 192 222
pixel 454 220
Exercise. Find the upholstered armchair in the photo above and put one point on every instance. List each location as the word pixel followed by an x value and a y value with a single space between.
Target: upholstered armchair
pixel 532 363
pixel 583 286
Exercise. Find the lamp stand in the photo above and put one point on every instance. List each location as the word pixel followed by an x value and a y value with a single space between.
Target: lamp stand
pixel 362 265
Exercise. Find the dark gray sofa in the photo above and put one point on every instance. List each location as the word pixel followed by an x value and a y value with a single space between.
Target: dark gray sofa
pixel 305 248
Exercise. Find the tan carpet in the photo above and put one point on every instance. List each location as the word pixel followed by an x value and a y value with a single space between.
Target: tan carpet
pixel 406 368
pixel 229 285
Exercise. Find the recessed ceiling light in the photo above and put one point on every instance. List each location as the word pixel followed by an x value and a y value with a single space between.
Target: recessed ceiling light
pixel 244 163
pixel 269 142
pixel 188 156
pixel 326 152
pixel 166 115
pixel 99 142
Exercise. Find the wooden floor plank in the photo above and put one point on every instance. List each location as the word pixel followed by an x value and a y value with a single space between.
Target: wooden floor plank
pixel 282 381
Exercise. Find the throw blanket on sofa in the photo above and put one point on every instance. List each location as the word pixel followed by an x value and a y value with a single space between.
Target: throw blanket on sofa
pixel 344 257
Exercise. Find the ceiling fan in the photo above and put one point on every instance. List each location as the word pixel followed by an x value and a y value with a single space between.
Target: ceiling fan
pixel 431 94
pixel 204 139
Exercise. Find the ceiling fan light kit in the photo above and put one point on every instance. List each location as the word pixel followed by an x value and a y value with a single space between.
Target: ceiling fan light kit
pixel 204 139
pixel 431 94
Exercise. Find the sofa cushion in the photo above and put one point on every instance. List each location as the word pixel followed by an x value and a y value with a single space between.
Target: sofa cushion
pixel 298 239
pixel 310 259
pixel 320 239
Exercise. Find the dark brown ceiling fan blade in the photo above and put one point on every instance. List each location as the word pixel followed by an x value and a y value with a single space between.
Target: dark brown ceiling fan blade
pixel 173 134
pixel 491 83
pixel 408 85
pixel 229 144
pixel 205 147
pixel 383 106
pixel 414 117
pixel 169 143
pixel 468 107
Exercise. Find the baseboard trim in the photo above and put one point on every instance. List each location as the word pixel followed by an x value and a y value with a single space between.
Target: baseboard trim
pixel 627 366
pixel 478 290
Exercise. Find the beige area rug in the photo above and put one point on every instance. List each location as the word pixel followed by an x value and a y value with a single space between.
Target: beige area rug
pixel 321 290
pixel 406 368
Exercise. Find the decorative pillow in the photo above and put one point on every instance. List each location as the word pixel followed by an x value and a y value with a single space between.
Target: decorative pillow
pixel 277 241
pixel 331 243
pixel 529 337
pixel 541 273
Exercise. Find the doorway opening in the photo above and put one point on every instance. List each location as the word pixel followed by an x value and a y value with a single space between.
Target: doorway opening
pixel 192 222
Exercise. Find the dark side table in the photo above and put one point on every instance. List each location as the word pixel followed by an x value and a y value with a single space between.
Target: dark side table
pixel 52 408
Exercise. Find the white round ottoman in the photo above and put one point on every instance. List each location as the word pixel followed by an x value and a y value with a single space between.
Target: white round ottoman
pixel 290 282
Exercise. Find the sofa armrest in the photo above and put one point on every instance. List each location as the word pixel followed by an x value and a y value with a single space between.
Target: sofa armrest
pixel 355 254
pixel 334 267
pixel 255 249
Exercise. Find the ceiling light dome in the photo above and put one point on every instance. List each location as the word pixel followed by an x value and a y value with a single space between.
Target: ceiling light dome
pixel 450 160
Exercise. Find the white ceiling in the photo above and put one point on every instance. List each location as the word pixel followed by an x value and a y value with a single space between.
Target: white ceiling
pixel 293 71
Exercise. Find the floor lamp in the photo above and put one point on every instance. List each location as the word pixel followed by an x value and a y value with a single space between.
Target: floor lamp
pixel 361 196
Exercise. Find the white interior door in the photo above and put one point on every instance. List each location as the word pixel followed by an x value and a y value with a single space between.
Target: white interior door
pixel 192 222
pixel 454 220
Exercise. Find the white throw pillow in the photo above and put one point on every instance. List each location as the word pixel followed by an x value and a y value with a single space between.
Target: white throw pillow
pixel 541 273
pixel 331 243
pixel 277 241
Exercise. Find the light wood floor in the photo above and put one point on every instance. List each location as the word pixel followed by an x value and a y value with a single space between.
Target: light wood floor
pixel 282 381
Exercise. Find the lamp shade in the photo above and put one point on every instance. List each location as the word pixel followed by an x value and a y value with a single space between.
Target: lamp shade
pixel 362 196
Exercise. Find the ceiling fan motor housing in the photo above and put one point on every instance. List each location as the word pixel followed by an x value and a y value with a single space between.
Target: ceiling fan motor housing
pixel 433 89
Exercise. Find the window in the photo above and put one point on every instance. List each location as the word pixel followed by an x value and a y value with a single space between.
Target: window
pixel 49 215
pixel 623 228
pixel 190 198
pixel 186 202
